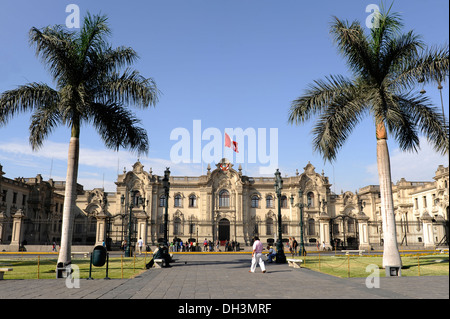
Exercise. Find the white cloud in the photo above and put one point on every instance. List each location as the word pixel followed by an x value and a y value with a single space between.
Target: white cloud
pixel 97 168
pixel 419 166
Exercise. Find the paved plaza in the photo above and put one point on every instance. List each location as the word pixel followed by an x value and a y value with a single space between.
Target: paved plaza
pixel 226 276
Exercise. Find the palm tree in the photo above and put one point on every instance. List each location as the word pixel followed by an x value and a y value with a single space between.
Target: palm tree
pixel 90 89
pixel 386 66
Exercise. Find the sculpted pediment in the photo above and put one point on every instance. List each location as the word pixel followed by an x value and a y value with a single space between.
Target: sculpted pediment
pixel 224 176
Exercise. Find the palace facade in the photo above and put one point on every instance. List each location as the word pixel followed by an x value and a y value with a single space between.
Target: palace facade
pixel 224 205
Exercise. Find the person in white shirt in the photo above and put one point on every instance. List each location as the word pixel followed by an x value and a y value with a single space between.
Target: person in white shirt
pixel 140 244
pixel 257 256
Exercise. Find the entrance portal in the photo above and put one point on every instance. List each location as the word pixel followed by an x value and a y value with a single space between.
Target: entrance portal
pixel 224 230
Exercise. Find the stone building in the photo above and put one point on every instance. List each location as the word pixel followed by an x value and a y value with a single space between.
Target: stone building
pixel 30 211
pixel 223 204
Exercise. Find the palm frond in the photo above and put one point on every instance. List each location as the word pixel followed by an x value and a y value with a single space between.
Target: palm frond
pixel 387 27
pixel 336 123
pixel 129 88
pixel 353 45
pixel 26 98
pixel 399 51
pixel 431 66
pixel 400 123
pixel 56 47
pixel 92 35
pixel 427 119
pixel 118 127
pixel 43 121
pixel 317 97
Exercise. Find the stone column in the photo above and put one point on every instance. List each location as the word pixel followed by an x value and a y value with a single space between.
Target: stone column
pixel 101 229
pixel 440 226
pixel 363 230
pixel 142 228
pixel 428 235
pixel 324 221
pixel 16 237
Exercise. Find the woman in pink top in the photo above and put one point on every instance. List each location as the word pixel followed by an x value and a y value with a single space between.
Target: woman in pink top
pixel 257 256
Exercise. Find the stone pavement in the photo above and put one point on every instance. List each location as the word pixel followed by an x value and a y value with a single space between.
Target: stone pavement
pixel 226 276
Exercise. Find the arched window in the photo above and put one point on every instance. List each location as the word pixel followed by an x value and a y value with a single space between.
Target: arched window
pixel 255 201
pixel 310 199
pixel 224 198
pixel 269 226
pixel 192 201
pixel 177 200
pixel 283 201
pixel 177 226
pixel 162 201
pixel 269 201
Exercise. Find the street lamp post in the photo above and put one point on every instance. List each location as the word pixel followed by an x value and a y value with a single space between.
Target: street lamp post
pixel 280 256
pixel 128 250
pixel 301 205
pixel 166 187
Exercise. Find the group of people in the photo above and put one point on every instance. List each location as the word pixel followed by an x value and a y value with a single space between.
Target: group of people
pixel 292 245
pixel 177 245
pixel 228 246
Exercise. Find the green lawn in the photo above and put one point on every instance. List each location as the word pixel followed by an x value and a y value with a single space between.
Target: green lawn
pixel 355 266
pixel 45 268
pixel 340 266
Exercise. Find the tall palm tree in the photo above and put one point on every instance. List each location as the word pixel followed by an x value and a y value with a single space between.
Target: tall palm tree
pixel 386 66
pixel 91 88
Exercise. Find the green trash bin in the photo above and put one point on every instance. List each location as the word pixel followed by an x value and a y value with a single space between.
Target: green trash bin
pixel 99 256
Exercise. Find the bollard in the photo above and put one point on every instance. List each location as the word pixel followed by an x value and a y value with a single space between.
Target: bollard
pixel 121 265
pixel 38 266
pixel 107 266
pixel 348 266
pixel 418 264
pixel 319 261
pixel 90 269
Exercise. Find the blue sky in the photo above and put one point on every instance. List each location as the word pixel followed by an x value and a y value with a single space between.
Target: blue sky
pixel 229 64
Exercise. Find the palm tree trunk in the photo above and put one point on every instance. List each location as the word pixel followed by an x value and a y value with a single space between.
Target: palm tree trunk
pixel 70 196
pixel 391 255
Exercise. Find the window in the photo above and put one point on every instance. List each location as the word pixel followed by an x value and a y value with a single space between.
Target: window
pixel 284 228
pixel 283 201
pixel 269 201
pixel 416 203
pixel 255 201
pixel 177 226
pixel 177 200
pixel 224 199
pixel 162 201
pixel 351 226
pixel 269 226
pixel 310 199
pixel 192 228
pixel 14 201
pixel 311 227
pixel 192 201
pixel 424 201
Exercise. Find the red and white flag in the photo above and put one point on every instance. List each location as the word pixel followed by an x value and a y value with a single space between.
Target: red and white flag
pixel 228 143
